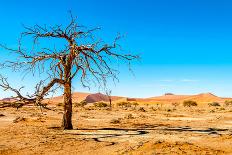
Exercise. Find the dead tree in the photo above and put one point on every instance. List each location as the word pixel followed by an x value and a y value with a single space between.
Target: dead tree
pixel 108 93
pixel 80 54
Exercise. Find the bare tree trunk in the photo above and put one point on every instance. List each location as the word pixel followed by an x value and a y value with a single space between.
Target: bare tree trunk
pixel 67 117
pixel 110 103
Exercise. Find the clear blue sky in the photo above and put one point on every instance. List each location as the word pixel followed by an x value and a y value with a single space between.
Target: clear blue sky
pixel 185 45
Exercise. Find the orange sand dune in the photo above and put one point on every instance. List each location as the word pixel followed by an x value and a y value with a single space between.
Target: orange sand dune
pixel 77 97
pixel 203 98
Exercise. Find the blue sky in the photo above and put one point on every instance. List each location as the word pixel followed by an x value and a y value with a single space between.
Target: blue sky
pixel 185 45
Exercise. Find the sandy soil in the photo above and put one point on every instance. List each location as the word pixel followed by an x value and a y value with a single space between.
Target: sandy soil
pixel 159 130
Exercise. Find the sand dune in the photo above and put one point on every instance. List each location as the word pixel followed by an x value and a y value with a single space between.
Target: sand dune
pixel 77 97
pixel 203 98
pixel 100 97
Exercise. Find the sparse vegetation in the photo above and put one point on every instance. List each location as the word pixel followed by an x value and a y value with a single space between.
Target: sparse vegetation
pixel 80 104
pixel 175 104
pixel 115 121
pixel 222 108
pixel 135 104
pixel 100 105
pixel 129 116
pixel 127 104
pixel 142 109
pixel 214 104
pixel 189 103
pixel 123 104
pixel 228 102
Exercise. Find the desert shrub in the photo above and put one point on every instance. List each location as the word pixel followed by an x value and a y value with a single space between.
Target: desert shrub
pixel 212 111
pixel 60 104
pixel 135 104
pixel 228 103
pixel 80 104
pixel 124 104
pixel 222 108
pixel 153 108
pixel 115 121
pixel 175 104
pixel 100 104
pixel 214 104
pixel 189 103
pixel 129 116
pixel 142 109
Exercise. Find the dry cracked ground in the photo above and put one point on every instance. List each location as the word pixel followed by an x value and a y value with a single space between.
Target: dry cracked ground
pixel 157 130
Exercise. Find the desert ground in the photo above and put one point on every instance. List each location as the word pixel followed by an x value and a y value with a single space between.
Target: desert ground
pixel 137 130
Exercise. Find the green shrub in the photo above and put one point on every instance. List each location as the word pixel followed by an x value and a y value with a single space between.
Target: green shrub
pixel 189 103
pixel 214 104
pixel 100 104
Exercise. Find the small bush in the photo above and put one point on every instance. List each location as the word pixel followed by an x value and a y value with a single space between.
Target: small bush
pixel 153 108
pixel 228 103
pixel 129 116
pixel 100 104
pixel 142 109
pixel 222 109
pixel 81 104
pixel 175 104
pixel 60 104
pixel 124 104
pixel 115 121
pixel 189 103
pixel 212 111
pixel 214 104
pixel 135 104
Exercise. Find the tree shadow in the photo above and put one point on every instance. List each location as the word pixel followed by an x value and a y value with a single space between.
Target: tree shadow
pixel 139 131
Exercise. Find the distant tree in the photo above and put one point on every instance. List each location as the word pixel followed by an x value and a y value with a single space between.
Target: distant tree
pixel 78 53
pixel 108 93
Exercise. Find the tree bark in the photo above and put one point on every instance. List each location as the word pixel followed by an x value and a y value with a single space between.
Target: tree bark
pixel 67 116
